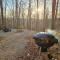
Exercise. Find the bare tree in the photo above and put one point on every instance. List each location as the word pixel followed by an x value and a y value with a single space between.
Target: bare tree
pixel 44 15
pixel 46 19
pixel 1 6
pixel 5 12
pixel 13 13
pixel 16 12
pixel 56 22
pixel 56 9
pixel 23 15
pixel 20 13
pixel 53 13
pixel 37 21
pixel 29 16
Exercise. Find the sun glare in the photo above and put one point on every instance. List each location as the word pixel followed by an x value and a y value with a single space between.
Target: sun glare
pixel 40 12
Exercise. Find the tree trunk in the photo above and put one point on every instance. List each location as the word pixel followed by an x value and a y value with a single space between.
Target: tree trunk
pixel 56 9
pixel 16 13
pixel 37 21
pixel 5 14
pixel 1 6
pixel 44 20
pixel 29 16
pixel 56 14
pixel 13 14
pixel 53 13
pixel 23 17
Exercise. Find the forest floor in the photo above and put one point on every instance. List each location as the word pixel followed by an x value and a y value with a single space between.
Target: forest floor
pixel 19 46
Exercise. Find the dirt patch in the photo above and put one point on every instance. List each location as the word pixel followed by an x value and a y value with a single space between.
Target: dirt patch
pixel 1 38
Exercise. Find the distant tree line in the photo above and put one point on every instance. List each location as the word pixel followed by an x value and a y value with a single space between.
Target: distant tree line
pixel 18 12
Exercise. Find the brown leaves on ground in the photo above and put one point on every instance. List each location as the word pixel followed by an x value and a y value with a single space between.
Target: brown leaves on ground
pixel 32 53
